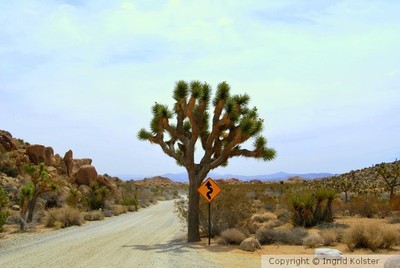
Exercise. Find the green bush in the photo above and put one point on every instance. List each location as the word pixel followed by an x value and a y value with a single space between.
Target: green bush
pixel 74 197
pixel 310 208
pixel 9 170
pixel 3 204
pixel 96 197
pixel 130 201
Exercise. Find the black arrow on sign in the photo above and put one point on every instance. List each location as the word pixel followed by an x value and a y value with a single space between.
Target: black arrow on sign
pixel 209 187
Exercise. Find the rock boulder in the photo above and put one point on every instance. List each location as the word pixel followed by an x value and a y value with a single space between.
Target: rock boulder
pixel 36 153
pixel 68 162
pixel 250 244
pixel 7 141
pixel 86 175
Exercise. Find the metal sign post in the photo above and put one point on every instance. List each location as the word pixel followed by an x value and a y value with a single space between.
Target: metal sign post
pixel 209 190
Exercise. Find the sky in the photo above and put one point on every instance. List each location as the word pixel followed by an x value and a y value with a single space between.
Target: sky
pixel 324 75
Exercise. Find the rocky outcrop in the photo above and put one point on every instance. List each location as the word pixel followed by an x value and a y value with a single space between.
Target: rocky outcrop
pixel 40 154
pixel 68 162
pixel 250 244
pixel 36 153
pixel 49 156
pixel 77 163
pixel 6 140
pixel 86 175
pixel 105 182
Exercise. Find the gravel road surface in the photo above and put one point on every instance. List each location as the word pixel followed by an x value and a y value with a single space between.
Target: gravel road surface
pixel 152 237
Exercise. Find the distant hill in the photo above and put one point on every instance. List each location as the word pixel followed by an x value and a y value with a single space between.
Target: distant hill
pixel 182 177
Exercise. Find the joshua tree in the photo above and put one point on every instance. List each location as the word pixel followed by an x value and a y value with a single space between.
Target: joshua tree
pixel 347 183
pixel 232 124
pixel 29 193
pixel 391 175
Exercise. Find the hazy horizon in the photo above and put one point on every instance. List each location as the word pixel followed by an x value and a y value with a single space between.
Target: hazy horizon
pixel 324 75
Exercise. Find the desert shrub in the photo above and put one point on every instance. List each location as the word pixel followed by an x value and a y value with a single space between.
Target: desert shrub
pixel 313 240
pixel 96 197
pixel 146 198
pixel 3 212
pixel 373 237
pixel 129 201
pixel 269 203
pixel 181 208
pixel 58 225
pixel 390 237
pixel 293 236
pixel 329 237
pixel 264 217
pixel 132 208
pixel 3 219
pixel 74 197
pixel 312 207
pixel 230 209
pixel 8 169
pixel 232 236
pixel 67 216
pixel 283 215
pixel 364 205
pixel 394 219
pixel 118 209
pixel 52 199
pixel 395 203
pixel 128 195
pixel 95 215
pixel 254 226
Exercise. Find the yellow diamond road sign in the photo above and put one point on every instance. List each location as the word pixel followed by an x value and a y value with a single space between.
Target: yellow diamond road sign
pixel 209 190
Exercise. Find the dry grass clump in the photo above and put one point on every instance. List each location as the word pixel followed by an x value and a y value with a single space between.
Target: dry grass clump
pixel 232 236
pixel 63 217
pixel 119 209
pixel 94 215
pixel 394 219
pixel 373 237
pixel 329 237
pixel 114 210
pixel 264 217
pixel 313 240
pixel 293 236
pixel 283 215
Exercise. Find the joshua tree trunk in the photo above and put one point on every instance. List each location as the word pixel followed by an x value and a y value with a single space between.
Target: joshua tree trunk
pixel 193 213
pixel 195 180
pixel 391 195
pixel 31 208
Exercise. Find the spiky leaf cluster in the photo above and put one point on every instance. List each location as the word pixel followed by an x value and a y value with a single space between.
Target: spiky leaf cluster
pixel 232 123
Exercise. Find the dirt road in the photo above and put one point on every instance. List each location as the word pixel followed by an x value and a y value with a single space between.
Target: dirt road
pixel 152 237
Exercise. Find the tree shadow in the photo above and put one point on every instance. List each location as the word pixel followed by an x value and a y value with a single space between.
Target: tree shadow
pixel 180 245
